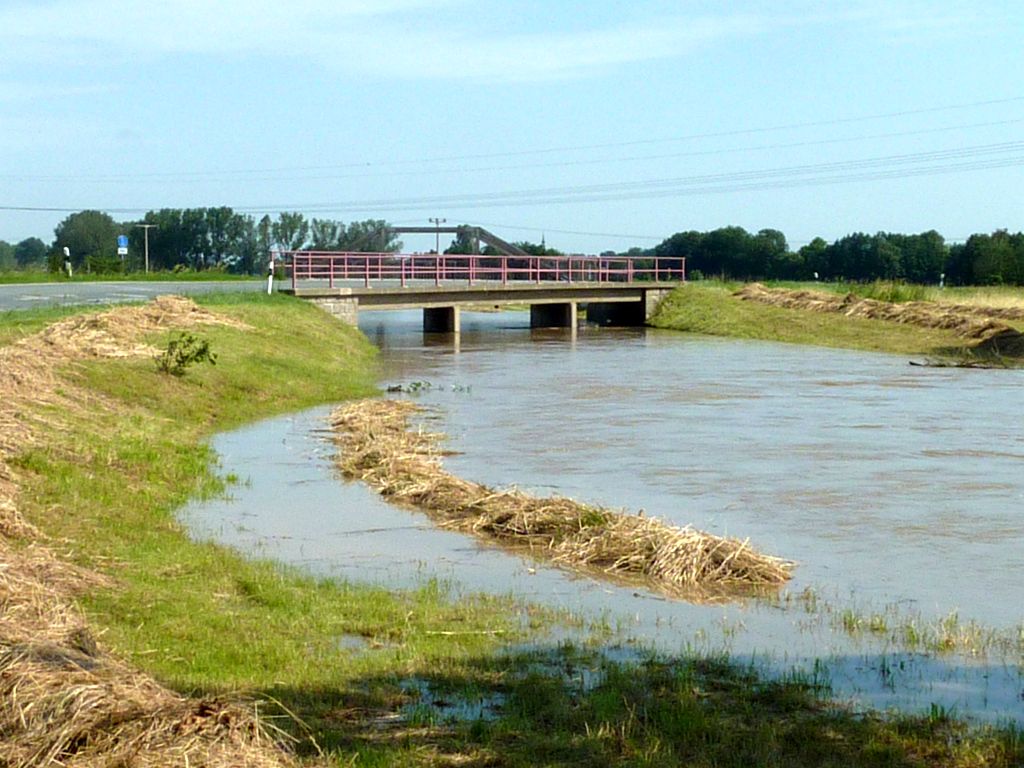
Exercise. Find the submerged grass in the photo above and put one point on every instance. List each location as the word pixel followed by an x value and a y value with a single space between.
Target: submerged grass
pixel 146 631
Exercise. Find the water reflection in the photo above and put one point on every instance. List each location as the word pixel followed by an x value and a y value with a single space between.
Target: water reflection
pixel 891 485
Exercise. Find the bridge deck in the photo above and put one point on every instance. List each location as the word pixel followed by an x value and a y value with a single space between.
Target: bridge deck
pixel 617 289
pixel 446 295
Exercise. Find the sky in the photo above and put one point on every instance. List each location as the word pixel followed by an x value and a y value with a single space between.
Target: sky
pixel 594 125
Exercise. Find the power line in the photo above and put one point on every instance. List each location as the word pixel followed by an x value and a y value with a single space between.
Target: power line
pixel 725 180
pixel 958 159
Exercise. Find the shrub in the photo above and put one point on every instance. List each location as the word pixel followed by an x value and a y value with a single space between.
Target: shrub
pixel 184 351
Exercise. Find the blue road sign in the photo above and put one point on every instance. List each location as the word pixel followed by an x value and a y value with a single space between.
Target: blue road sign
pixel 122 241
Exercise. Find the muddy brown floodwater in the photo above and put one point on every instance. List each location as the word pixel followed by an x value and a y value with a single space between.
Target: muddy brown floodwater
pixel 899 490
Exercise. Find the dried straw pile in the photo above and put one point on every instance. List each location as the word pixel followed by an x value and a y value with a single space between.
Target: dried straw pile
pixel 63 699
pixel 980 326
pixel 379 448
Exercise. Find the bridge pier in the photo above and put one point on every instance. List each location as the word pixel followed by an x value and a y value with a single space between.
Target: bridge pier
pixel 441 320
pixel 560 315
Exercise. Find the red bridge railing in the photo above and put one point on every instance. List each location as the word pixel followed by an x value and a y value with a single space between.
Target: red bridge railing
pixel 419 269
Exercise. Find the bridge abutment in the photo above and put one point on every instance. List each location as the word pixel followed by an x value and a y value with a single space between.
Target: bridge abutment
pixel 560 315
pixel 345 309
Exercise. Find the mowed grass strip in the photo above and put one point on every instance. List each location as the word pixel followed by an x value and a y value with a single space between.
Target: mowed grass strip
pixel 709 307
pixel 360 675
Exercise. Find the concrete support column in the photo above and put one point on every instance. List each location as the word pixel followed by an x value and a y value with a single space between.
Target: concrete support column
pixel 561 315
pixel 441 320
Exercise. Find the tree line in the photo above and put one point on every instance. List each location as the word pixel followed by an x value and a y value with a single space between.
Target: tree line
pixel 192 238
pixel 732 252
pixel 223 239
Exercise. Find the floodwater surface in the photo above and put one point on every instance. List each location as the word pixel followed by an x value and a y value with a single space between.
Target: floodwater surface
pixel 898 490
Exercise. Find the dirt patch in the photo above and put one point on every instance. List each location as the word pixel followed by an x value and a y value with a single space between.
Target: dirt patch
pixel 64 699
pixel 379 447
pixel 982 328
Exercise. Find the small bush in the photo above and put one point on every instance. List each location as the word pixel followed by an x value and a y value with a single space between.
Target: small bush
pixel 184 351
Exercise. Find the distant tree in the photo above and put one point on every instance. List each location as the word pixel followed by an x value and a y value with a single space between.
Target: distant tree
pixel 768 254
pixel 958 267
pixel 91 236
pixel 993 259
pixel 814 258
pixel 7 260
pixel 537 249
pixel 326 235
pixel 923 257
pixel 688 246
pixel 730 252
pixel 370 236
pixel 30 252
pixel 290 231
pixel 463 242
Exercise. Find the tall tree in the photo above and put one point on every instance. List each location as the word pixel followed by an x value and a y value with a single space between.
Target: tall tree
pixel 326 234
pixel 7 260
pixel 370 236
pixel 91 236
pixel 30 252
pixel 814 258
pixel 291 231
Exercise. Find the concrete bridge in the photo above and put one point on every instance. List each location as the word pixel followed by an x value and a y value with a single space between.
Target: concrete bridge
pixel 614 290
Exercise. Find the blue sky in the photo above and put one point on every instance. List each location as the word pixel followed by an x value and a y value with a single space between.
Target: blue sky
pixel 599 124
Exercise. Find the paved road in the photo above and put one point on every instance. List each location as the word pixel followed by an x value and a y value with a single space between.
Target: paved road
pixel 51 294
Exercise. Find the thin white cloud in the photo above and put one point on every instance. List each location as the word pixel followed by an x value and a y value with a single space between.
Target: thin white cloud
pixel 447 54
pixel 414 39
pixel 188 26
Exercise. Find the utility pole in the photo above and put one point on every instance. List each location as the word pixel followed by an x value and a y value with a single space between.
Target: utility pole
pixel 145 234
pixel 437 239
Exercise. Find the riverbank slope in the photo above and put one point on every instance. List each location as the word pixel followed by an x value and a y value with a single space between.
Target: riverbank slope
pixel 928 328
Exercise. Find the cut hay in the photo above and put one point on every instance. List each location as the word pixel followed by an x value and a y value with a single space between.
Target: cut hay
pixel 404 464
pixel 983 328
pixel 64 700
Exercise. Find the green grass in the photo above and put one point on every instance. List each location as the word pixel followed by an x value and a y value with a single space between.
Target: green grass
pixel 372 676
pixel 14 324
pixel 709 307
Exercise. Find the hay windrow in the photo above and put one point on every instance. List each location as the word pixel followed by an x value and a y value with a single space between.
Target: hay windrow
pixel 379 447
pixel 64 700
pixel 981 327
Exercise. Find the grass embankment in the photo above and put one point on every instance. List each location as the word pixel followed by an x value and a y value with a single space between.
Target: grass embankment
pixel 373 676
pixel 719 309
